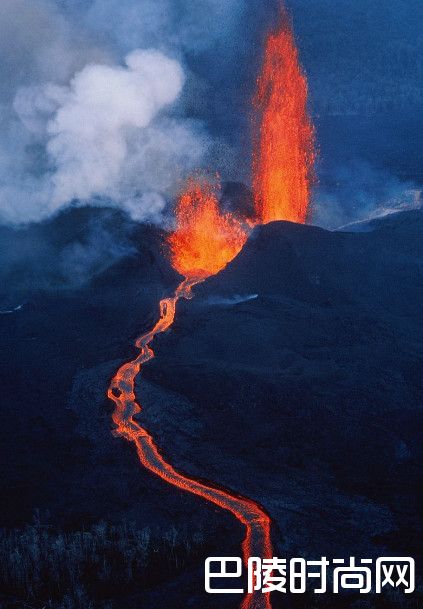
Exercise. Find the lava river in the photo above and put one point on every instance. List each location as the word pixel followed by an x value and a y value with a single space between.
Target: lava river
pixel 205 240
pixel 199 228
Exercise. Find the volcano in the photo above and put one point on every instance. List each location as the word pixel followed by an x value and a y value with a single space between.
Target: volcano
pixel 235 383
pixel 299 388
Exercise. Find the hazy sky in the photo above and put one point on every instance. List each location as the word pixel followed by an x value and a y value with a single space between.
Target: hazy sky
pixel 67 135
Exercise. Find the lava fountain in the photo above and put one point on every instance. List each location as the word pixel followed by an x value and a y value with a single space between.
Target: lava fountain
pixel 204 241
pixel 284 152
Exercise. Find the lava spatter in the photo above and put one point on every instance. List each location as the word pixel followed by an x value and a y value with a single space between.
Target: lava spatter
pixel 205 239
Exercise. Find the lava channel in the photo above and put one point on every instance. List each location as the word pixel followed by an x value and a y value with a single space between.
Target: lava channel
pixel 197 207
pixel 257 540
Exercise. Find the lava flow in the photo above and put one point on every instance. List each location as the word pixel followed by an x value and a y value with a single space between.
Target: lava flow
pixel 284 147
pixel 204 242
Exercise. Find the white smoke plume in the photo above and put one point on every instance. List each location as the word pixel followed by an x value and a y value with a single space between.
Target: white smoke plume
pixel 95 132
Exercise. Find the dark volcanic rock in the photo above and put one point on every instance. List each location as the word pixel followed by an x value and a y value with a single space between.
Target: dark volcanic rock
pixel 293 377
pixel 300 365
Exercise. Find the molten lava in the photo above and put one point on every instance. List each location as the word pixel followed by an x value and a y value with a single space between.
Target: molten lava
pixel 284 149
pixel 205 239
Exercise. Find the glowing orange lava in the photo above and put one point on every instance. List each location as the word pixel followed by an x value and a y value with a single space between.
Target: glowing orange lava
pixel 257 540
pixel 203 242
pixel 205 239
pixel 284 150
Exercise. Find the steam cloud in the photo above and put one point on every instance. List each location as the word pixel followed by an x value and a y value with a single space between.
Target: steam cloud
pixel 101 140
pixel 93 135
